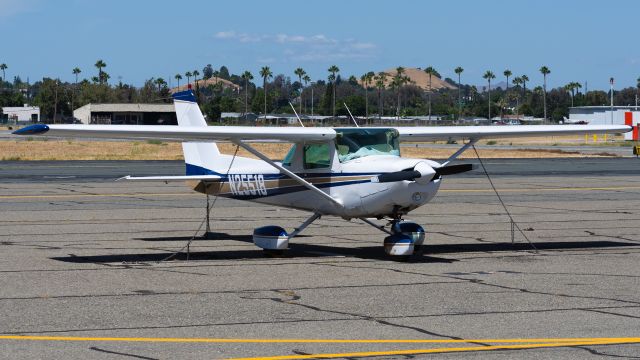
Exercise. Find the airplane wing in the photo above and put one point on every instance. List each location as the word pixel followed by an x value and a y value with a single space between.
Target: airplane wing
pixel 480 132
pixel 182 133
pixel 171 178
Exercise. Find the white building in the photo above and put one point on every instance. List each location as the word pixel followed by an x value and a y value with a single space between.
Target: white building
pixel 603 115
pixel 24 113
pixel 600 115
pixel 132 114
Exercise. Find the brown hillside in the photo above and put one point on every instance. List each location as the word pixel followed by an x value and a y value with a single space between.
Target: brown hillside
pixel 211 81
pixel 420 79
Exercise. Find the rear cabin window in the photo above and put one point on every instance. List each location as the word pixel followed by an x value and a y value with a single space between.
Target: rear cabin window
pixel 317 156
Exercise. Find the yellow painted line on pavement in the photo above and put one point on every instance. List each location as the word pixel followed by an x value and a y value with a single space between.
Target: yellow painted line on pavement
pixel 328 341
pixel 63 196
pixel 437 350
pixel 603 188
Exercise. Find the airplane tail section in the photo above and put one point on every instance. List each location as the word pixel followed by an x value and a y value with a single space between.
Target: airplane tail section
pixel 198 156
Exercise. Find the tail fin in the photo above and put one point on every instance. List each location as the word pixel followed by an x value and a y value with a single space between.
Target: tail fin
pixel 198 156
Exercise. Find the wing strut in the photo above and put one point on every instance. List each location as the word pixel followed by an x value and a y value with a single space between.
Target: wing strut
pixel 289 173
pixel 460 151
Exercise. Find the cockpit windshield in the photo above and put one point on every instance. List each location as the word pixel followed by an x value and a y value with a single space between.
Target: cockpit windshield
pixel 357 143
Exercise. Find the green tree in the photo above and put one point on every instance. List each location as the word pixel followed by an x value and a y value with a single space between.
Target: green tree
pixel 300 72
pixel 459 71
pixel 544 71
pixel 160 83
pixel 178 77
pixel 430 71
pixel 266 74
pixel 333 70
pixel 246 76
pixel 489 75
pixel 207 72
pixel 188 74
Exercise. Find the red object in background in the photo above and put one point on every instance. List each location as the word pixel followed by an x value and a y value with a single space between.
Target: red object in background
pixel 628 118
pixel 189 86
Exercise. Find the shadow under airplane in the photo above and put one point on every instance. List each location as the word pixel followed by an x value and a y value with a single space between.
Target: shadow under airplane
pixel 319 251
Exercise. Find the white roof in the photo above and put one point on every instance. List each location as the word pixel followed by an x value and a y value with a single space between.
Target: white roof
pixel 129 107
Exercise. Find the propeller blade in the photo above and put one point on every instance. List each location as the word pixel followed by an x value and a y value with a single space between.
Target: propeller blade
pixel 397 176
pixel 412 175
pixel 453 169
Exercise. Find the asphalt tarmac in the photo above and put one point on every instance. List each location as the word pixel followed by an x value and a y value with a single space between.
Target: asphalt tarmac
pixel 84 270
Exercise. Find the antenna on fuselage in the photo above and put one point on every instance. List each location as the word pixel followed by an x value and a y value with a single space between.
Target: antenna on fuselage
pixel 352 118
pixel 294 111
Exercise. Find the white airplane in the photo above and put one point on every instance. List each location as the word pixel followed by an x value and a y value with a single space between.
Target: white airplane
pixel 349 172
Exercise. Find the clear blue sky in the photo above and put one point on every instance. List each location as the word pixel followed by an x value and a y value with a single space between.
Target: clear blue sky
pixel 578 40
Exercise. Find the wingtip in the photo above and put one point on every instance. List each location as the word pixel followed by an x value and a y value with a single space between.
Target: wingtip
pixel 36 129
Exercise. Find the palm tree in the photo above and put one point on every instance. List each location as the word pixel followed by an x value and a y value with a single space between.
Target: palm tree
pixel 489 75
pixel 76 70
pixel 178 77
pixel 507 73
pixel 398 82
pixel 366 83
pixel 266 74
pixel 334 70
pixel 3 67
pixel 524 78
pixel 501 103
pixel 100 64
pixel 571 87
pixel 188 74
pixel 459 71
pixel 307 80
pixel 544 71
pixel 431 71
pixel 247 76
pixel 195 77
pixel 381 81
pixel 300 72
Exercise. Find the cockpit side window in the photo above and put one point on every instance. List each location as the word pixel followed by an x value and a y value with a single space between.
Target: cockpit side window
pixel 317 156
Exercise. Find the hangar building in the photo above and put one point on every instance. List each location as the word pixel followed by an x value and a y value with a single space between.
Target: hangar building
pixel 127 114
pixel 601 115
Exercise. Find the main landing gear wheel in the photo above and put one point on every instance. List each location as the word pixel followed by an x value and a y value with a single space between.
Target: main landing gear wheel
pixel 274 240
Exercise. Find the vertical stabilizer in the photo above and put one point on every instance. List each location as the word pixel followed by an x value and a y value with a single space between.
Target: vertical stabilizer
pixel 198 154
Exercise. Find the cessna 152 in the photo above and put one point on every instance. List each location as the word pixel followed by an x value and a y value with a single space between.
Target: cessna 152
pixel 350 172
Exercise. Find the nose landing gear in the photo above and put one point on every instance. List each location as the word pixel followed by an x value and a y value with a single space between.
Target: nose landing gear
pixel 405 237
